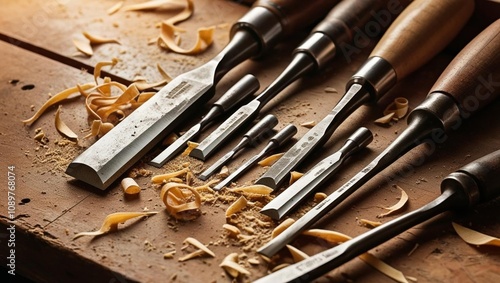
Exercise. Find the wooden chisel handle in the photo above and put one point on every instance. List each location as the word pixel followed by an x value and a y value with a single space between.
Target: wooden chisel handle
pixel 296 14
pixel 421 31
pixel 470 82
pixel 473 77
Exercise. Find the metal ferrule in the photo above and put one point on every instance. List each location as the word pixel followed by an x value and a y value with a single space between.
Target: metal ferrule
pixel 320 47
pixel 263 24
pixel 377 74
pixel 442 106
pixel 460 181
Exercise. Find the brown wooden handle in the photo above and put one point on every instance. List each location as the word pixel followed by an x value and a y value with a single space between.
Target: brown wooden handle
pixel 422 30
pixel 473 77
pixel 297 14
pixel 340 23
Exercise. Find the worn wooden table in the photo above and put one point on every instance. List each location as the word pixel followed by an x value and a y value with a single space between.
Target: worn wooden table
pixel 38 58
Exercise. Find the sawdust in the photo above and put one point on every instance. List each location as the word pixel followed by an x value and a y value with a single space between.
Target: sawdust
pixel 57 155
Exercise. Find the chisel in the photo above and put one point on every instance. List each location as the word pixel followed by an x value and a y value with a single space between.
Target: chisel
pixel 252 137
pixel 303 187
pixel 338 28
pixel 476 182
pixel 467 84
pixel 265 24
pixel 421 31
pixel 244 88
pixel 275 142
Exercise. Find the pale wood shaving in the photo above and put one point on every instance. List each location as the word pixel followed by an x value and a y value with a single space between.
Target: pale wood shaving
pixel 83 45
pixel 282 227
pixel 158 179
pixel 309 124
pixel 270 160
pixel 96 39
pixel 190 147
pixel 154 4
pixel 62 128
pixel 369 223
pixel 111 222
pixel 236 206
pixel 297 254
pixel 253 189
pixel 475 238
pixel 294 176
pixel 113 9
pixel 231 266
pixel 318 197
pixel 182 201
pixel 396 207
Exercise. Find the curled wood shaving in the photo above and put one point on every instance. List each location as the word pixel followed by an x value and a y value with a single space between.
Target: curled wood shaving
pixel 163 73
pixel 170 40
pixel 231 266
pixel 61 96
pixel 282 227
pixel 270 160
pixel 158 179
pixel 97 72
pixel 318 197
pixel 297 254
pixel 281 266
pixel 111 222
pixel 294 176
pixel 169 255
pixel 154 4
pixel 233 230
pixel 113 9
pixel 369 223
pixel 99 129
pixel 236 206
pixel 83 45
pixel 95 39
pixel 336 237
pixel 62 128
pixel 199 245
pixel 475 238
pixel 253 189
pixel 181 201
pixel 402 201
pixel 309 124
pixel 385 119
pixel 190 147
pixel 130 186
pixel 394 111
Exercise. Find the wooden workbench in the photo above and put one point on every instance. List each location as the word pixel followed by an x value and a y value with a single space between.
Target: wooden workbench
pixel 50 207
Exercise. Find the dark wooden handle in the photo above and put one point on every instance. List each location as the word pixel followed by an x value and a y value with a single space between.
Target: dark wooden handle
pixel 486 173
pixel 422 30
pixel 295 15
pixel 340 23
pixel 473 77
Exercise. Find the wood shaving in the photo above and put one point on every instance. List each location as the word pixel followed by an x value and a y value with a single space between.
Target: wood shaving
pixel 318 197
pixel 475 238
pixel 253 189
pixel 394 111
pixel 402 201
pixel 170 139
pixel 385 119
pixel 62 128
pixel 309 124
pixel 202 250
pixel 369 223
pixel 297 254
pixel 181 201
pixel 163 178
pixel 154 4
pixel 61 96
pixel 270 160
pixel 294 176
pixel 190 147
pixel 169 255
pixel 282 227
pixel 113 9
pixel 231 266
pixel 233 230
pixel 236 206
pixel 83 45
pixel 111 222
pixel 331 90
pixel 170 40
pixel 130 186
pixel 95 39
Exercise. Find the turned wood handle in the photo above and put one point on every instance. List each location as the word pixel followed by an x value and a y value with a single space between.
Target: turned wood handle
pixel 340 23
pixel 422 30
pixel 473 77
pixel 295 15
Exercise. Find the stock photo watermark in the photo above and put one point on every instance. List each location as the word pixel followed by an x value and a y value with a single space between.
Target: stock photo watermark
pixel 11 214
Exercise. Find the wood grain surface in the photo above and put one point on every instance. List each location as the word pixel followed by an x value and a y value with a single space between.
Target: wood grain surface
pixel 50 207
